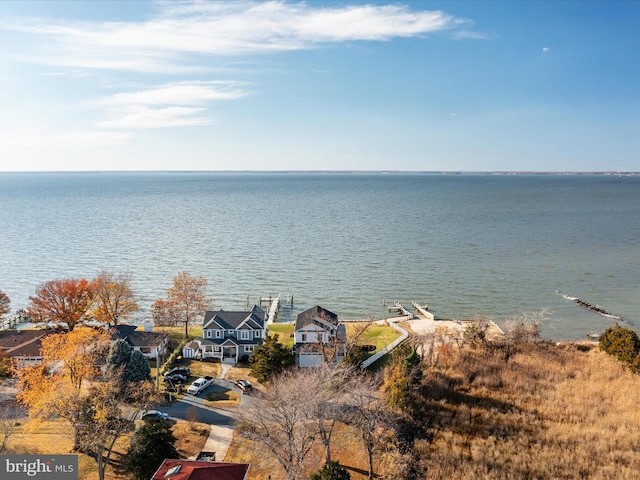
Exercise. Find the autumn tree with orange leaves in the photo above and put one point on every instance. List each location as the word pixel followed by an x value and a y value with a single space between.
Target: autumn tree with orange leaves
pixel 69 360
pixel 62 301
pixel 4 304
pixel 113 298
pixel 186 301
pixel 70 384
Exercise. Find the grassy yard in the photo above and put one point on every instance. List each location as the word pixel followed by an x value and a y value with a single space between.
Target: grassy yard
pixel 56 437
pixel 375 334
pixel 346 448
pixel 284 331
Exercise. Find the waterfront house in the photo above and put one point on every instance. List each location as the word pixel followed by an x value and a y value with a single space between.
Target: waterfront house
pixel 319 337
pixel 151 344
pixel 229 335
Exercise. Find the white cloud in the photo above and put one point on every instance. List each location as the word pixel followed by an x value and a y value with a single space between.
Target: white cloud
pixel 545 49
pixel 185 93
pixel 171 105
pixel 220 28
pixel 138 117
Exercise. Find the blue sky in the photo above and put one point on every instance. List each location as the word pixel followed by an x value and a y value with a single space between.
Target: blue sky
pixel 320 85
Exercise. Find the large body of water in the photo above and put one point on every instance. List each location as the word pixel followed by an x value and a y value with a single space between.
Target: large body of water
pixel 496 245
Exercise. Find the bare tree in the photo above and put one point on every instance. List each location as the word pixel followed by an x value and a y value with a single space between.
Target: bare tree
pixel 9 415
pixel 329 381
pixel 366 412
pixel 283 420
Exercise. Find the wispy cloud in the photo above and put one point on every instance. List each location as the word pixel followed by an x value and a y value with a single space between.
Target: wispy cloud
pixel 160 43
pixel 183 93
pixel 187 39
pixel 171 105
pixel 139 117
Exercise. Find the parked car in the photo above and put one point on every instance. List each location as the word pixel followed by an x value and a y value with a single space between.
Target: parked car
pixel 153 415
pixel 244 385
pixel 175 378
pixel 200 385
pixel 182 371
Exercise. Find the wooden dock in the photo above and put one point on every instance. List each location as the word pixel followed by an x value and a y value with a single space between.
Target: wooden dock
pixel 422 310
pixel 274 307
pixel 403 311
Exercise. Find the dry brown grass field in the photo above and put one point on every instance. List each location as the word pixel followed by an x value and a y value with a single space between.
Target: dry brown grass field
pixel 56 437
pixel 567 411
pixel 549 412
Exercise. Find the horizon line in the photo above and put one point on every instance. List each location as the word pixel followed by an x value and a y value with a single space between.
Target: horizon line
pixel 355 171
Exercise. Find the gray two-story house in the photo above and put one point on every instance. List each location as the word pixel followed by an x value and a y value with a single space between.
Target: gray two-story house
pixel 229 335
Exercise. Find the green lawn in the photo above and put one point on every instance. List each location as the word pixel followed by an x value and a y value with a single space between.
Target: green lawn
pixel 284 331
pixel 378 335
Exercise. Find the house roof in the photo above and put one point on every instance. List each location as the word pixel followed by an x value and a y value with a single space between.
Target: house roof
pixel 23 342
pixel 232 320
pixel 316 315
pixel 193 470
pixel 137 338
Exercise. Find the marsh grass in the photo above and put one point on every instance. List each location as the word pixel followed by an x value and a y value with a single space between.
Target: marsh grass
pixel 549 412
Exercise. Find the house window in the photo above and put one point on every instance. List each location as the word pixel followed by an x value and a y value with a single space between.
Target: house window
pixel 218 334
pixel 248 348
pixel 216 349
pixel 244 335
pixel 208 333
pixel 257 333
pixel 230 332
pixel 304 337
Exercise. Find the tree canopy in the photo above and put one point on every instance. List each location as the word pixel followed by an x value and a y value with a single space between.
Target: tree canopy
pixel 4 304
pixel 186 301
pixel 150 445
pixel 113 298
pixel 62 301
pixel 270 358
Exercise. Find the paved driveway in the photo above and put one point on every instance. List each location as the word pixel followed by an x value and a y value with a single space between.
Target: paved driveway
pixel 192 407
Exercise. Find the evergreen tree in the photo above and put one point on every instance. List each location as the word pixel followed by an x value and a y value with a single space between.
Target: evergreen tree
pixel 270 358
pixel 137 368
pixel 402 382
pixel 331 471
pixel 119 354
pixel 150 445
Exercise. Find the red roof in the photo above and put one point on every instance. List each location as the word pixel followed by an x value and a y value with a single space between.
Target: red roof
pixel 192 470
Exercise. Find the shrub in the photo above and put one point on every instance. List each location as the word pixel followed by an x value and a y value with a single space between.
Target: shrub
pixel 331 471
pixel 172 358
pixel 621 343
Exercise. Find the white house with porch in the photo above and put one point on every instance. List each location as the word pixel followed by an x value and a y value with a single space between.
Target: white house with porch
pixel 319 337
pixel 228 335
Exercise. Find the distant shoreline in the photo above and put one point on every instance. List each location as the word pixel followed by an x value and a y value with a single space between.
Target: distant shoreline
pixel 354 172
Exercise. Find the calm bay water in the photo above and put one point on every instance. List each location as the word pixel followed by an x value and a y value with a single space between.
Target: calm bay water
pixel 496 245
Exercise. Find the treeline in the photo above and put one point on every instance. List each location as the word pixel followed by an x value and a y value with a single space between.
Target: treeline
pixel 109 299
